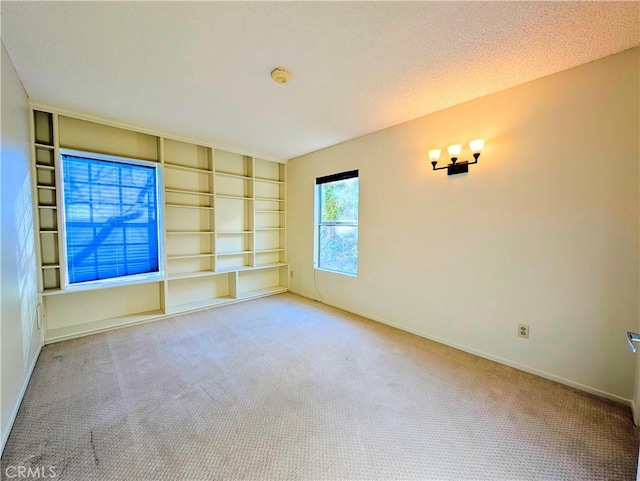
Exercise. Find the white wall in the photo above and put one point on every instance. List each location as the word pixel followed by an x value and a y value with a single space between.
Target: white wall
pixel 20 343
pixel 544 231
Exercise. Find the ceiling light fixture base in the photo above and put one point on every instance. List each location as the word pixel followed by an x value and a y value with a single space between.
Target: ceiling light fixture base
pixel 280 75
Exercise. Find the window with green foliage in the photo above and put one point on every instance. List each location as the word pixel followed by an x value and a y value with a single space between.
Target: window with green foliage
pixel 337 222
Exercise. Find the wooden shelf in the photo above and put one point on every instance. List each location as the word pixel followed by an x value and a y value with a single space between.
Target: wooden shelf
pixel 270 211
pixel 182 206
pixel 53 291
pixel 190 275
pixel 231 232
pixel 45 231
pixel 190 232
pixel 44 146
pixel 266 251
pixel 47 187
pixel 225 270
pixel 45 167
pixel 51 266
pixel 270 266
pixel 189 256
pixel 250 268
pixel 188 169
pixel 269 228
pixel 238 197
pixel 237 253
pixel 269 199
pixel 188 192
pixel 269 181
pixel 233 176
pixel 47 206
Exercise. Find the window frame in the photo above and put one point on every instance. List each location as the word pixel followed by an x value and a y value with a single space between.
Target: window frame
pixel 113 281
pixel 318 223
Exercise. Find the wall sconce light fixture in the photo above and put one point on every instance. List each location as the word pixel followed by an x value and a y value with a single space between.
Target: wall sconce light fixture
pixel 456 167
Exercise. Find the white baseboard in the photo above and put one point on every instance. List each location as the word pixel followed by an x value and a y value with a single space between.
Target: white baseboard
pixel 635 414
pixel 491 357
pixel 16 407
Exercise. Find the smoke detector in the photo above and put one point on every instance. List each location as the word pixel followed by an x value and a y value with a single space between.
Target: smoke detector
pixel 280 75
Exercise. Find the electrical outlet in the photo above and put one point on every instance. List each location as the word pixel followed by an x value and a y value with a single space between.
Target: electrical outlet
pixel 523 331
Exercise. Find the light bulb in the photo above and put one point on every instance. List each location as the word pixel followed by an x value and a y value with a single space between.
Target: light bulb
pixel 476 145
pixel 434 154
pixel 454 150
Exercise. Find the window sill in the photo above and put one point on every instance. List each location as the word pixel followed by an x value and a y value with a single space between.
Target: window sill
pixel 106 284
pixel 348 274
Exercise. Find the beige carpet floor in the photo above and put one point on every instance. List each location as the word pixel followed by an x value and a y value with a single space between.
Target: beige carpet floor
pixel 286 388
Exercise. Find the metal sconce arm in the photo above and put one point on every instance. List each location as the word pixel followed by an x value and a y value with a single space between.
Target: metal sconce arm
pixel 456 167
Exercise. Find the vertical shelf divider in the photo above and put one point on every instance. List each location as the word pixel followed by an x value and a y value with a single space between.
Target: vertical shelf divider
pixel 214 218
pixel 252 213
pixel 282 170
pixel 164 288
pixel 233 284
pixel 57 162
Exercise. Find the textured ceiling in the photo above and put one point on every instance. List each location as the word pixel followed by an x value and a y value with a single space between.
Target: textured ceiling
pixel 201 69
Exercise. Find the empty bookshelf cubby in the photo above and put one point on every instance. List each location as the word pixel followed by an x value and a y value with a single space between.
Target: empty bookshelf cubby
pixel 44 156
pixel 188 219
pixel 261 281
pixel 199 292
pixel 233 164
pixel 223 218
pixel 43 128
pixel 269 246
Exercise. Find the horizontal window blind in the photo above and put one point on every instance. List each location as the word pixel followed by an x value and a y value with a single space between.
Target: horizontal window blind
pixel 111 219
pixel 335 177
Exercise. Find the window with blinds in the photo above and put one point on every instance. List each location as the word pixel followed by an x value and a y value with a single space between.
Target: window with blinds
pixel 112 218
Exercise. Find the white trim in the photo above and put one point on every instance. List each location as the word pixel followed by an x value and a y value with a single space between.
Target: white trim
pixel 316 227
pixel 16 407
pixel 342 273
pixel 156 133
pixel 491 357
pixel 109 158
pixel 635 413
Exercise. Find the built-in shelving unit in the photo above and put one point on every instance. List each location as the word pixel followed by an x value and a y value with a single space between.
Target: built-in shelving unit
pixel 45 196
pixel 224 228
